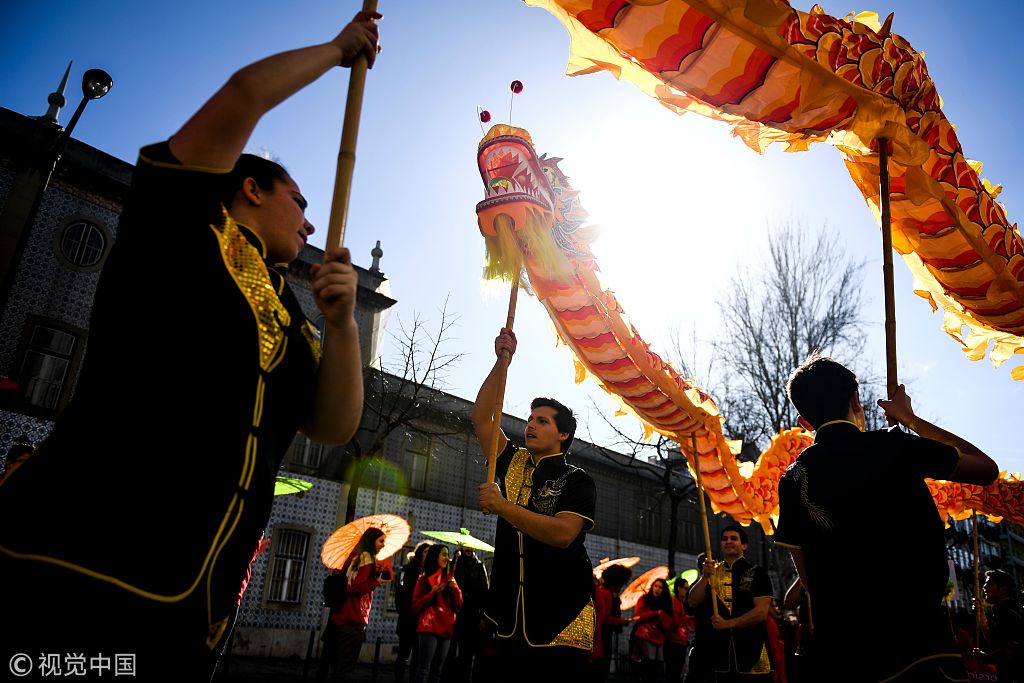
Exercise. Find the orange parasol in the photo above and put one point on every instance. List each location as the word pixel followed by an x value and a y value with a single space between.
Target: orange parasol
pixel 605 563
pixel 343 541
pixel 641 585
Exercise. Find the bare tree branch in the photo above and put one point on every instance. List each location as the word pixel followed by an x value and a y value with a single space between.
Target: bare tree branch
pixel 805 297
pixel 408 393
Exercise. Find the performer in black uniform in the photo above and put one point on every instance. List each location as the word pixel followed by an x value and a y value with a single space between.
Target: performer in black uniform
pixel 542 585
pixel 869 487
pixel 131 529
pixel 739 641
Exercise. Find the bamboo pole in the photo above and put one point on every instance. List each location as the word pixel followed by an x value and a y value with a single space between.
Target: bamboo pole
pixel 979 610
pixel 492 451
pixel 891 381
pixel 347 152
pixel 704 519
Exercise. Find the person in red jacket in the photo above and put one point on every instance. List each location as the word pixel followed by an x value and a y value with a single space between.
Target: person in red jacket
pixel 435 600
pixel 607 617
pixel 677 639
pixel 346 629
pixel 654 617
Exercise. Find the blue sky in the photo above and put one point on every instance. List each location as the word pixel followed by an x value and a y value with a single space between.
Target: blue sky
pixel 683 204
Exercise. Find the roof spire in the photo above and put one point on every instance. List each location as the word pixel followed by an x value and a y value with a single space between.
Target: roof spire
pixel 57 100
pixel 376 253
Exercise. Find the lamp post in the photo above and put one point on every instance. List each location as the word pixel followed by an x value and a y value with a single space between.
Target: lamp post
pixel 35 168
pixel 95 84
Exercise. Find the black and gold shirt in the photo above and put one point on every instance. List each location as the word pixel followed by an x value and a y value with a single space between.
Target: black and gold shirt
pixel 541 593
pixel 867 490
pixel 200 368
pixel 742 650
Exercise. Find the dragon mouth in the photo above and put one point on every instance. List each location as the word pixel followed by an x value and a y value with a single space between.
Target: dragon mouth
pixel 512 173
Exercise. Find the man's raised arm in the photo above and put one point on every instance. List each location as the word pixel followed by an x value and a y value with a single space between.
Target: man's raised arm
pixel 974 468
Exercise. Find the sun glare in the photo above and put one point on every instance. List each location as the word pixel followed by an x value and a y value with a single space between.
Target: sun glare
pixel 674 224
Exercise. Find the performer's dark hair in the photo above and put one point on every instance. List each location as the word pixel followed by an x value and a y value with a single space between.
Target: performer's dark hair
pixel 430 560
pixel 564 419
pixel 820 390
pixel 739 530
pixel 264 171
pixel 1000 578
pixel 616 576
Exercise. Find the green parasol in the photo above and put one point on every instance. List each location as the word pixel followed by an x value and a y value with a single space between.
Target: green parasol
pixel 461 537
pixel 285 485
pixel 690 575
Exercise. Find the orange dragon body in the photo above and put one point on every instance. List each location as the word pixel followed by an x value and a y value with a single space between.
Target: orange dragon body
pixel 776 74
pixel 551 240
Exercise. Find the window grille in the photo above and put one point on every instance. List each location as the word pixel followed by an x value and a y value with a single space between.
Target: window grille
pixel 417 458
pixel 45 367
pixel 83 244
pixel 289 566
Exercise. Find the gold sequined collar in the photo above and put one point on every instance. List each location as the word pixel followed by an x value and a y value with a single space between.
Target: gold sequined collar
pixel 256 241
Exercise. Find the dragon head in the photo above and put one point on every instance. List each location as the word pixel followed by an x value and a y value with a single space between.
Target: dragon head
pixel 529 211
pixel 514 180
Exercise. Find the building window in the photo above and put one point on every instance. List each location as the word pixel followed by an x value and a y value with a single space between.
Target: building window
pixel 83 243
pixel 305 455
pixel 416 459
pixel 46 364
pixel 649 518
pixel 288 566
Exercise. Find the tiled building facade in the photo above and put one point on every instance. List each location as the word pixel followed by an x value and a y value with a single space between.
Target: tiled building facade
pixel 431 481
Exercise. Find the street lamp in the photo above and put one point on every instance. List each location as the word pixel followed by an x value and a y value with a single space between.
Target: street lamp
pixel 35 168
pixel 95 84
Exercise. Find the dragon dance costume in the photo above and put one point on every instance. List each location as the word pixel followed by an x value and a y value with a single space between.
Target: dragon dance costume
pixel 740 653
pixel 541 597
pixel 137 518
pixel 821 515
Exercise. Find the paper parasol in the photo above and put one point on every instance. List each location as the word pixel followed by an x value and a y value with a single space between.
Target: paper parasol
pixel 461 537
pixel 605 563
pixel 285 485
pixel 641 585
pixel 690 575
pixel 343 541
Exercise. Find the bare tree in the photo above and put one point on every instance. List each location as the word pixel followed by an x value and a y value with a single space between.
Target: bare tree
pixel 408 394
pixel 661 457
pixel 805 297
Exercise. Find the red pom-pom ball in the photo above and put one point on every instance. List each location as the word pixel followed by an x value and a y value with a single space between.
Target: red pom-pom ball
pixel 485 116
pixel 517 87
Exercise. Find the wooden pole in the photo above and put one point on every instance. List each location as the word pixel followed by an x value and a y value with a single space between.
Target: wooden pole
pixel 979 610
pixel 704 519
pixel 891 382
pixel 492 451
pixel 347 152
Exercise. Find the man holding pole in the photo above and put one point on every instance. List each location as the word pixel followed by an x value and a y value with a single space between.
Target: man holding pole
pixel 542 586
pixel 868 488
pixel 739 641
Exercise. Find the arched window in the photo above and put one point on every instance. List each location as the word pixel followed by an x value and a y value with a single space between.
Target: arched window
pixel 83 243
